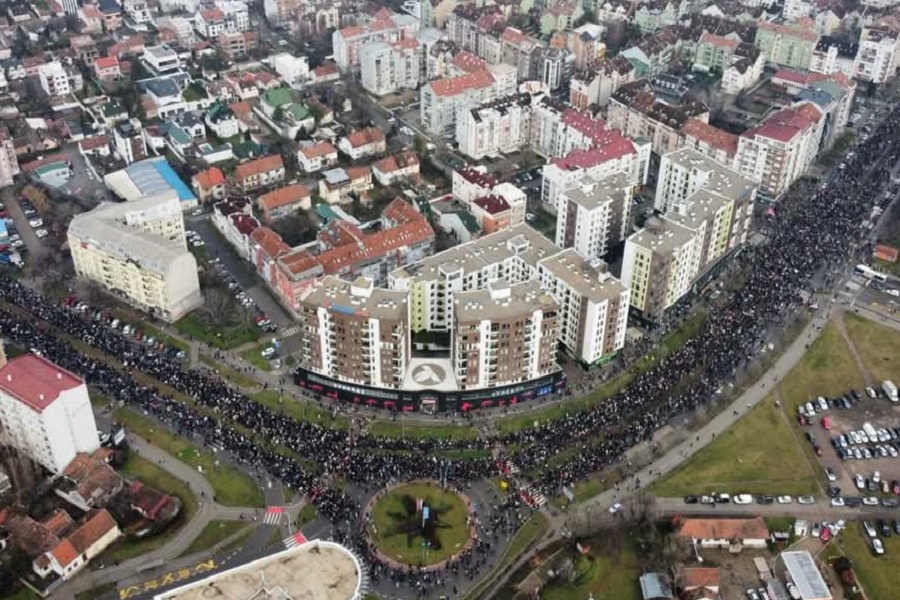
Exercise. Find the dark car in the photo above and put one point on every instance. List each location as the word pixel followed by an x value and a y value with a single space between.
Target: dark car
pixel 871 485
pixel 810 437
pixel 855 395
pixel 834 492
pixel 853 501
pixel 765 499
pixel 897 526
pixel 691 499
pixel 884 527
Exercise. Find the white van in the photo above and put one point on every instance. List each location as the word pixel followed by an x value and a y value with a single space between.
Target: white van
pixel 890 390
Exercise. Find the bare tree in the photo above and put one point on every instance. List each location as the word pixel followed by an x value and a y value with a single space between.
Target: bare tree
pixel 641 510
pixel 217 304
pixel 90 292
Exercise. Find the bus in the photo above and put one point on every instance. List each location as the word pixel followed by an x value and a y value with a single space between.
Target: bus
pixel 869 273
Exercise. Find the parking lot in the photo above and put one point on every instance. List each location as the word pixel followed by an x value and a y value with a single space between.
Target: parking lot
pixel 857 438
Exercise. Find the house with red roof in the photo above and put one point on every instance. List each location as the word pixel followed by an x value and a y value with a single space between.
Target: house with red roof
pixel 709 140
pixel 493 213
pixel 152 504
pixel 284 201
pixel 234 219
pixel 316 156
pixel 209 185
pixel 396 167
pixel 369 141
pixel 259 173
pixel 46 411
pixel 106 68
pixel 88 483
pixel 70 554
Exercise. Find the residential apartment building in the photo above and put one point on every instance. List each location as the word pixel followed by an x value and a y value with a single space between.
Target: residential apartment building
pixel 710 141
pixel 708 212
pixel 595 215
pixel 396 168
pixel 46 411
pixel 834 55
pixel 832 94
pixel 54 79
pixel 317 156
pixel 355 332
pixel 387 67
pixel 161 59
pixel 878 56
pixel 284 201
pixel 338 186
pixel 259 173
pixel 593 315
pixel 472 182
pixel 635 110
pixel 595 83
pixel 129 142
pixel 788 44
pixel 442 98
pixel 9 163
pixel 347 43
pixel 502 334
pixel 209 185
pixel 137 250
pixel 778 151
pixel 498 126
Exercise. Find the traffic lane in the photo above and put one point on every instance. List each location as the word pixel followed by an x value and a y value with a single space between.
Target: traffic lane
pixel 245 276
pixel 819 510
pixel 26 232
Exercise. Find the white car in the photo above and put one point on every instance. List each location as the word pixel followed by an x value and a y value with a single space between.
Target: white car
pixel 268 353
pixel 36 222
pixel 198 243
pixel 793 591
pixel 742 499
pixel 615 507
pixel 860 482
pixel 17 243
pixel 870 501
pixel 870 529
pixel 876 477
pixel 41 233
pixel 877 547
pixel 837 502
pixel 784 499
pixel 806 500
pixel 829 473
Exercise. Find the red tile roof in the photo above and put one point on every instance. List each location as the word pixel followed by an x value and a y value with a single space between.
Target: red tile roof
pixel 719 41
pixel 270 242
pixel 209 178
pixel 700 577
pixel 585 159
pixel 365 136
pixel 36 381
pixel 260 165
pixel 291 194
pixel 106 62
pixel 476 177
pixel 392 163
pixel 326 70
pixel 724 529
pixel 58 522
pixel 148 500
pixel 804 28
pixel 786 124
pixel 709 134
pixel 244 223
pixel 213 14
pixel 65 553
pixel 792 76
pixel 453 86
pixel 89 533
pixel 468 62
pixel 91 143
pixel 316 150
pixel 492 204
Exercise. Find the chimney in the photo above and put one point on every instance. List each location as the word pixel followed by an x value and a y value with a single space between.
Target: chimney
pixel 3 360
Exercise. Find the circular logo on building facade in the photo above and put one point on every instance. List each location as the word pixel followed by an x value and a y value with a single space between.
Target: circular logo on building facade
pixel 428 374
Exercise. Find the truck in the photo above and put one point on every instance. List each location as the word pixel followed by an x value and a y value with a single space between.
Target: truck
pixel 890 390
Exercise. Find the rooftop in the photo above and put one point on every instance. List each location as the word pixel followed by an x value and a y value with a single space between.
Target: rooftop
pixel 711 135
pixel 36 381
pixel 285 196
pixel 315 570
pixel 787 123
pixel 453 86
pixel 662 236
pixel 359 298
pixel 614 188
pixel 501 301
pixel 258 166
pixel 585 277
pixel 721 180
pixel 724 529
pixel 805 575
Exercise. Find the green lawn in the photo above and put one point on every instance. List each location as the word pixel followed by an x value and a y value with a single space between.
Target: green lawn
pixel 528 534
pixel 213 533
pixel 876 574
pixel 148 472
pixel 401 429
pixel 601 576
pixel 300 411
pixel 23 593
pixel 232 487
pixel 253 357
pixel 827 369
pixel 391 520
pixel 236 377
pixel 226 337
pixel 307 515
pixel 878 347
pixel 759 454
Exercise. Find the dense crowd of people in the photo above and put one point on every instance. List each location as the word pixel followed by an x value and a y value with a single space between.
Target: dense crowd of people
pixel 810 232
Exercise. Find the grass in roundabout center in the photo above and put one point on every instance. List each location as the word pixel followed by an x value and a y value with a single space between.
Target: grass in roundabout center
pixel 401 533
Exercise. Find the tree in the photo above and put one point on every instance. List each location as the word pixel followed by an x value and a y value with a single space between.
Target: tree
pixel 90 292
pixel 295 229
pixel 420 146
pixel 587 17
pixel 218 306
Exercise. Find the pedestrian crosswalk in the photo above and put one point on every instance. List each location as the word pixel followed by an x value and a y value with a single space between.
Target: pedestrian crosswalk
pixel 286 333
pixel 273 515
pixel 532 496
pixel 297 539
pixel 507 467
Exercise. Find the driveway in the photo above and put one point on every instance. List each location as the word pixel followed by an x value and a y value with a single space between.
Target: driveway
pixel 25 230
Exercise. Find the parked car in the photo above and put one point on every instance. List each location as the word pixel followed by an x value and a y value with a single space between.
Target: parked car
pixel 869 528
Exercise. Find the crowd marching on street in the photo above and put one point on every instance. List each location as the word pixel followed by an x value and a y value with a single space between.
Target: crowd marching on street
pixel 809 233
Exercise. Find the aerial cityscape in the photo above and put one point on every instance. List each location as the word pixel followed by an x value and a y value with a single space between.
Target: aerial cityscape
pixel 449 300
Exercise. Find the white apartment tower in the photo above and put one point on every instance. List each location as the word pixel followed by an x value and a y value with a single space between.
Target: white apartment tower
pixel 595 215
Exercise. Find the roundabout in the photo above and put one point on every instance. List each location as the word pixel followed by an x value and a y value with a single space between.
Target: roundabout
pixel 419 524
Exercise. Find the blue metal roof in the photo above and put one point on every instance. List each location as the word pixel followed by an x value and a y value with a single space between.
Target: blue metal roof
pixel 155 175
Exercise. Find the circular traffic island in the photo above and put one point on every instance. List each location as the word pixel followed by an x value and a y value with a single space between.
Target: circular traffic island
pixel 420 524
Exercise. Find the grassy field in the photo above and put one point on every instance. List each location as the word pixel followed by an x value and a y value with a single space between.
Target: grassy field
pixel 827 369
pixel 400 429
pixel 759 454
pixel 599 575
pixel 148 472
pixel 22 593
pixel 254 357
pixel 876 574
pixel 527 535
pixel 232 487
pixel 236 377
pixel 300 411
pixel 306 515
pixel 390 518
pixel 225 337
pixel 213 533
pixel 878 347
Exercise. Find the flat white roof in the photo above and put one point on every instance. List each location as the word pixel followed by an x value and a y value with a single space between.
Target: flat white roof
pixel 316 570
pixel 430 374
pixel 805 575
